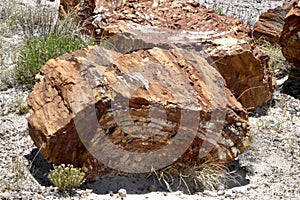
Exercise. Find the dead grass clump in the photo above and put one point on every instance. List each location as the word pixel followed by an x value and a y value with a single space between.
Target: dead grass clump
pixel 208 175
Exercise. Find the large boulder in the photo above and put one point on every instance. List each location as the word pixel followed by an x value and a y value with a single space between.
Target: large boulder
pixel 270 23
pixel 223 40
pixel 135 112
pixel 290 36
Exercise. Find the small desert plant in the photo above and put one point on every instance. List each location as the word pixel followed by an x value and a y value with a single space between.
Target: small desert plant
pixel 44 34
pixel 67 177
pixel 277 63
pixel 37 51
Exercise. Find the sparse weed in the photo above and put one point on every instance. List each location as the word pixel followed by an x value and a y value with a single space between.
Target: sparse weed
pixel 18 176
pixel 7 77
pixel 21 106
pixel 270 125
pixel 34 21
pixel 67 177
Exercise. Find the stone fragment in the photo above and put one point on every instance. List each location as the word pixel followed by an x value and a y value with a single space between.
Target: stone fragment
pixel 270 23
pixel 122 193
pixel 290 36
pixel 133 112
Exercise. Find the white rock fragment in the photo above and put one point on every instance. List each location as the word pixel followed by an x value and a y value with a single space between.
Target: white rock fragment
pixel 5 195
pixel 209 193
pixel 220 192
pixel 122 193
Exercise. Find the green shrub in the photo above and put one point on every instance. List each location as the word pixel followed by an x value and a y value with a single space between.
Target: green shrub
pixel 41 26
pixel 37 51
pixel 67 177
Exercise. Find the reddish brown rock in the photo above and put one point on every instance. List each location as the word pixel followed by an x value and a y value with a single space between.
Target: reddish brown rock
pixel 130 112
pixel 290 36
pixel 67 5
pixel 224 40
pixel 270 23
pixel 200 27
pixel 82 9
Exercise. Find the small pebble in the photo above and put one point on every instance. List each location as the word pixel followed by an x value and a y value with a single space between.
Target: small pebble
pixel 240 190
pixel 152 188
pixel 122 193
pixel 209 193
pixel 5 195
pixel 253 186
pixel 228 194
pixel 220 192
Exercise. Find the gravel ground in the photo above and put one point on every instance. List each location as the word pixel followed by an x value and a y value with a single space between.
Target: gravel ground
pixel 270 167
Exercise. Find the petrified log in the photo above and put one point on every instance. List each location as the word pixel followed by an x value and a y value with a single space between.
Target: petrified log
pixel 134 112
pixel 223 40
pixel 226 40
pixel 290 36
pixel 270 23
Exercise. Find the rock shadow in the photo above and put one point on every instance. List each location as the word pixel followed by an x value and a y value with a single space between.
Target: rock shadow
pixel 39 167
pixel 141 184
pixel 133 183
pixel 292 87
pixel 237 175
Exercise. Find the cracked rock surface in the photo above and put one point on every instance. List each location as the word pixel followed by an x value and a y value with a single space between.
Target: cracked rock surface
pixel 271 165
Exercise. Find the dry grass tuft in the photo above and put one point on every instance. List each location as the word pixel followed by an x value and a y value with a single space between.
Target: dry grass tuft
pixel 208 175
pixel 279 66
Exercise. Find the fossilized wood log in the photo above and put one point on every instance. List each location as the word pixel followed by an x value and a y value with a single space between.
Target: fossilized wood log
pixel 163 106
pixel 290 36
pixel 270 23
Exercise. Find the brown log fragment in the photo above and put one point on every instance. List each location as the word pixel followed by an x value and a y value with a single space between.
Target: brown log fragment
pixel 270 23
pixel 290 36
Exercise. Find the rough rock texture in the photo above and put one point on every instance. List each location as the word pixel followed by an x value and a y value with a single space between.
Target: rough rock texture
pixel 96 103
pixel 270 23
pixel 290 36
pixel 223 40
pixel 67 5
